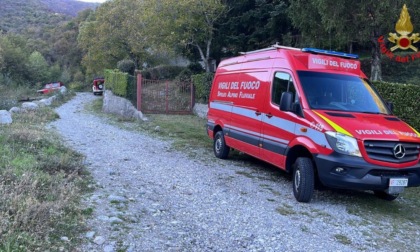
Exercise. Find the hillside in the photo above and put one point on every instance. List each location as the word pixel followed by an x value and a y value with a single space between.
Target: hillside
pixel 19 16
pixel 68 7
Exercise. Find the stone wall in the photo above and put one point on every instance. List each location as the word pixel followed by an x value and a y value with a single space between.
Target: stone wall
pixel 120 106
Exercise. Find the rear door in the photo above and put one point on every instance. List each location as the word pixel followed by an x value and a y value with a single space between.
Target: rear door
pixel 245 125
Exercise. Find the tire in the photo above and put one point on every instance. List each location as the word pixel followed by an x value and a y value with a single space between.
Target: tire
pixel 221 150
pixel 303 179
pixel 385 196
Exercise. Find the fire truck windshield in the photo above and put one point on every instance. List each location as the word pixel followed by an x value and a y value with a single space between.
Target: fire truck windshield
pixel 340 92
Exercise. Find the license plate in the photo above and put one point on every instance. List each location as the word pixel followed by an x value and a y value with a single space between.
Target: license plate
pixel 398 182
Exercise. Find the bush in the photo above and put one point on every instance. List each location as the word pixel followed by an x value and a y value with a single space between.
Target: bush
pixel 405 98
pixel 202 84
pixel 9 95
pixel 78 86
pixel 126 66
pixel 184 76
pixel 196 68
pixel 116 81
pixel 78 76
pixel 162 72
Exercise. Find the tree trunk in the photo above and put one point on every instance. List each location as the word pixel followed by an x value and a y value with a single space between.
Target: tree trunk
pixel 376 69
pixel 204 58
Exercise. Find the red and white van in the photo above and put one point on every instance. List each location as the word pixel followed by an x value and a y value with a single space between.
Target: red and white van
pixel 313 113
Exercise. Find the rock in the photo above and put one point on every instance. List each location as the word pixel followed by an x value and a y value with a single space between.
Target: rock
pixel 90 234
pixel 120 106
pixel 103 218
pixel 5 117
pixel 45 102
pixel 115 220
pixel 201 110
pixel 17 110
pixel 63 90
pixel 109 248
pixel 65 238
pixel 115 198
pixel 30 106
pixel 99 240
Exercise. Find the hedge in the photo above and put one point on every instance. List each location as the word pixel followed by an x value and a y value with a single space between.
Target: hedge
pixel 202 83
pixel 116 81
pixel 121 84
pixel 405 98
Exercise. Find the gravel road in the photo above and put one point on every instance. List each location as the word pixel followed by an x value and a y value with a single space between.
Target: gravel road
pixel 150 197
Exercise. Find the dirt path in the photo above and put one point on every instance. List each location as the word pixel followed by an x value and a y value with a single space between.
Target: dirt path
pixel 149 197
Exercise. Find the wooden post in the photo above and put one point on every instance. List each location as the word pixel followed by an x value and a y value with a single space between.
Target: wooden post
pixel 192 96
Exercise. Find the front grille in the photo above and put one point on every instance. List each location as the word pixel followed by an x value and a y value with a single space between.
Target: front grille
pixel 386 173
pixel 384 151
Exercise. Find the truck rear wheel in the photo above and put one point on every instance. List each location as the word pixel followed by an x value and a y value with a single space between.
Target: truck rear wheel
pixel 385 196
pixel 221 150
pixel 303 179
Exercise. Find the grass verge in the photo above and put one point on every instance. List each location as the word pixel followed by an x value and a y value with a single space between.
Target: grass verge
pixel 185 131
pixel 41 182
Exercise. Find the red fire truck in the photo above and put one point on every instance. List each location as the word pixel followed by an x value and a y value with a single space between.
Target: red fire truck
pixel 312 113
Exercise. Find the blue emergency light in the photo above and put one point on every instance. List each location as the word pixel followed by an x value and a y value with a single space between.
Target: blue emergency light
pixel 332 53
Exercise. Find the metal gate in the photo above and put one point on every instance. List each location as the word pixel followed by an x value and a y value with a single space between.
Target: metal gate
pixel 164 96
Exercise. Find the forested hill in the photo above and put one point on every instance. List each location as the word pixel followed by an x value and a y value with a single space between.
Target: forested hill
pixel 23 15
pixel 68 7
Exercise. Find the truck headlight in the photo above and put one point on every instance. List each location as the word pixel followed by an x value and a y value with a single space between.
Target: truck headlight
pixel 343 144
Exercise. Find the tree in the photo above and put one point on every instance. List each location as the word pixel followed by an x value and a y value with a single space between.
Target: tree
pixel 112 34
pixel 338 24
pixel 38 68
pixel 1 59
pixel 15 57
pixel 189 23
pixel 251 25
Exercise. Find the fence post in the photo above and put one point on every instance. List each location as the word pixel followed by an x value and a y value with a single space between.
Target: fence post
pixel 139 82
pixel 192 96
pixel 167 96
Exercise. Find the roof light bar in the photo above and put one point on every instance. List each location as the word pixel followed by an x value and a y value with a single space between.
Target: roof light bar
pixel 332 53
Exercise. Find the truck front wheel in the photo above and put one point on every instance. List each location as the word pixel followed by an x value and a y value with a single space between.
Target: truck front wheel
pixel 221 150
pixel 303 179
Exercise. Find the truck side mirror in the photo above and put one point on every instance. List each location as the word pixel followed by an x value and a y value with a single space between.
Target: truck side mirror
pixel 286 101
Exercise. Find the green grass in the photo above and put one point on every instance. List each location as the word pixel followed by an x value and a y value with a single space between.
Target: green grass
pixel 41 182
pixel 186 131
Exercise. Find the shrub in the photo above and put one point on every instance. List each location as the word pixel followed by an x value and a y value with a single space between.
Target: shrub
pixel 405 98
pixel 78 86
pixel 202 84
pixel 126 66
pixel 116 81
pixel 196 68
pixel 184 76
pixel 78 76
pixel 162 72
